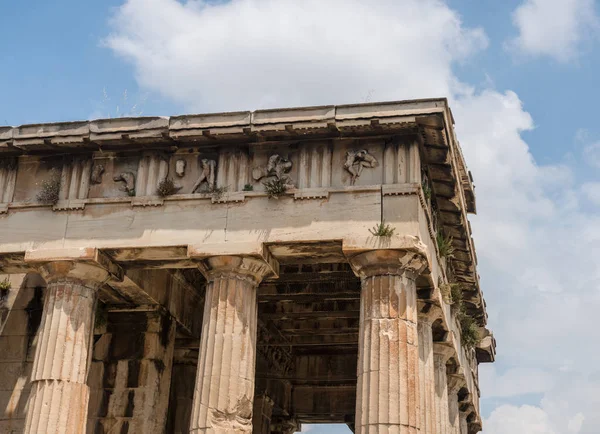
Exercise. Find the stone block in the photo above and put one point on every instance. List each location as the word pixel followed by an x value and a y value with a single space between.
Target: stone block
pixel 102 346
pixel 16 323
pixel 13 403
pixel 11 372
pixel 13 348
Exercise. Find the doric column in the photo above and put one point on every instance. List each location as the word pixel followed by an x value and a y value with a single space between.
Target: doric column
pixel 441 354
pixel 224 391
pixel 464 425
pixel 387 392
pixel 455 383
pixel 58 401
pixel 426 373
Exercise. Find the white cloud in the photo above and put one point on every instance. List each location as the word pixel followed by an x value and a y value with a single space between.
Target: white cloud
pixel 250 54
pixel 591 190
pixel 515 381
pixel 527 419
pixel 537 246
pixel 591 154
pixel 554 28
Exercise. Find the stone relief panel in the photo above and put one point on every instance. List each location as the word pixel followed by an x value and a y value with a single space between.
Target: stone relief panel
pixel 268 161
pixel 401 163
pixel 206 179
pixel 113 175
pixel 128 180
pixel 190 169
pixel 97 172
pixel 357 162
pixel 277 167
pixel 8 178
pixel 314 165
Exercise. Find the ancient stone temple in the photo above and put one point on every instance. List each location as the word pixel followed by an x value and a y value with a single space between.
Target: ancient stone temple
pixel 240 272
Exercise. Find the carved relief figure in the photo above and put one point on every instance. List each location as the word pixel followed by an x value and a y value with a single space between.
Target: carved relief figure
pixel 356 161
pixel 129 179
pixel 277 167
pixel 180 167
pixel 207 174
pixel 96 176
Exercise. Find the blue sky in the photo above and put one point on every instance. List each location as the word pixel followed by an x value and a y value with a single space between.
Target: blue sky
pixel 521 76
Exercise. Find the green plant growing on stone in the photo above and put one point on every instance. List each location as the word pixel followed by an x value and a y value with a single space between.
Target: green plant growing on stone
pixel 275 188
pixel 166 187
pixel 426 190
pixel 444 245
pixel 469 335
pixel 4 288
pixel 50 189
pixel 382 230
pixel 5 285
pixel 217 192
pixel 248 187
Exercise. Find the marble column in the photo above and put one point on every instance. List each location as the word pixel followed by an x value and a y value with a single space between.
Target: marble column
pixel 58 402
pixel 224 390
pixel 464 425
pixel 442 418
pixel 427 374
pixel 455 383
pixel 387 392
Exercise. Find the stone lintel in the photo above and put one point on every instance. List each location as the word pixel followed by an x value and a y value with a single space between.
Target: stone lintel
pixel 88 265
pixel 388 261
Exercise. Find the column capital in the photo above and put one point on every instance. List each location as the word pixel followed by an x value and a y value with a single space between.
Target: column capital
pixel 88 265
pixel 388 261
pixel 254 269
pixel 455 383
pixel 442 352
pixel 428 312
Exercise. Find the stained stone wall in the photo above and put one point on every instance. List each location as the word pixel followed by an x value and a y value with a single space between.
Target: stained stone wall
pixel 20 317
pixel 130 374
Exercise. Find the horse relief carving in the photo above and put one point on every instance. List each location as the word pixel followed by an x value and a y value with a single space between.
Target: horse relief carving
pixel 128 179
pixel 356 161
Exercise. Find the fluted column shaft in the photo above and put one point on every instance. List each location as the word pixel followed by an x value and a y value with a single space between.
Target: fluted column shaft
pixel 442 421
pixel 59 396
pixel 387 395
pixel 464 425
pixel 224 391
pixel 426 377
pixel 453 412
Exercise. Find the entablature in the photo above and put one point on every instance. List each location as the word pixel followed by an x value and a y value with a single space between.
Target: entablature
pixel 99 181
